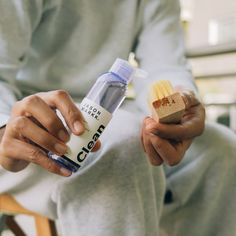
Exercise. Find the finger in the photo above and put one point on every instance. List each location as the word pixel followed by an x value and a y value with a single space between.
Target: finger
pixel 22 126
pixel 143 133
pixel 166 151
pixel 34 106
pixel 13 165
pixel 97 146
pixel 141 137
pixel 192 125
pixel 170 154
pixel 61 100
pixel 189 99
pixel 153 156
pixel 17 150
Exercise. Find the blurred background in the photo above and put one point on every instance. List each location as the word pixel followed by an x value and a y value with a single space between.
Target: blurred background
pixel 210 35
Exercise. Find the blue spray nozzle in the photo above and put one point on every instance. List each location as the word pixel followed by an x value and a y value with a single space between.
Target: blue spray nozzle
pixel 123 69
pixel 126 71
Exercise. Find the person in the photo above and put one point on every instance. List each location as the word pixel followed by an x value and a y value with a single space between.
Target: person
pixel 52 51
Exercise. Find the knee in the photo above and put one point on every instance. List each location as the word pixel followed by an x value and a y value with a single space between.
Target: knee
pixel 216 145
pixel 123 129
pixel 121 141
pixel 220 137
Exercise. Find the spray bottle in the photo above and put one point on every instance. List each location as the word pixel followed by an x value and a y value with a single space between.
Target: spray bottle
pixel 97 108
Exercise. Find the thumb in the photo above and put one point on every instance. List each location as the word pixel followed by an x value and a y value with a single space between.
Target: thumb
pixel 190 99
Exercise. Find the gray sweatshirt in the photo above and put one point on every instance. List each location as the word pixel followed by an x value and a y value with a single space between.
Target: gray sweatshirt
pixel 66 44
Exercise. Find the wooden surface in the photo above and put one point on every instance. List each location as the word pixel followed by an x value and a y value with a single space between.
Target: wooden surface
pixel 170 109
pixel 9 206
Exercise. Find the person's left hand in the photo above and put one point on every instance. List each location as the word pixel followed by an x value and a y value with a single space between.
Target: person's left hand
pixel 167 143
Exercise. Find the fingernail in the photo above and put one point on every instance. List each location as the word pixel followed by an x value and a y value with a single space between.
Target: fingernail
pixel 63 136
pixel 79 128
pixel 65 172
pixel 86 125
pixel 60 148
pixel 68 151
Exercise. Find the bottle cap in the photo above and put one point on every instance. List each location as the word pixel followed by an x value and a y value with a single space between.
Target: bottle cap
pixel 123 69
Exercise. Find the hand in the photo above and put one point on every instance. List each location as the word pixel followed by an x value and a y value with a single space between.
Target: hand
pixel 34 129
pixel 168 142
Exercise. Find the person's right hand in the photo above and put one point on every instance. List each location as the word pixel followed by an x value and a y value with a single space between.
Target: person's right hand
pixel 34 128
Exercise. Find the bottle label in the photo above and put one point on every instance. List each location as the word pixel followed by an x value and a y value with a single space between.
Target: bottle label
pixel 96 118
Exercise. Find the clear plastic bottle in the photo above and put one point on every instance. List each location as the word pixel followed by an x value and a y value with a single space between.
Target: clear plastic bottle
pixel 97 107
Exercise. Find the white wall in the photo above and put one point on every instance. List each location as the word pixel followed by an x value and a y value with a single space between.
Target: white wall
pixel 223 11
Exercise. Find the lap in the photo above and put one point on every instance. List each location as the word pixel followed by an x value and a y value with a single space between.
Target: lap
pixel 118 178
pixel 202 185
pixel 119 166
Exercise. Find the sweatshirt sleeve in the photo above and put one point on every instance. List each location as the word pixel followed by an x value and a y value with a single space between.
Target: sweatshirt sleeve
pixel 18 19
pixel 161 50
